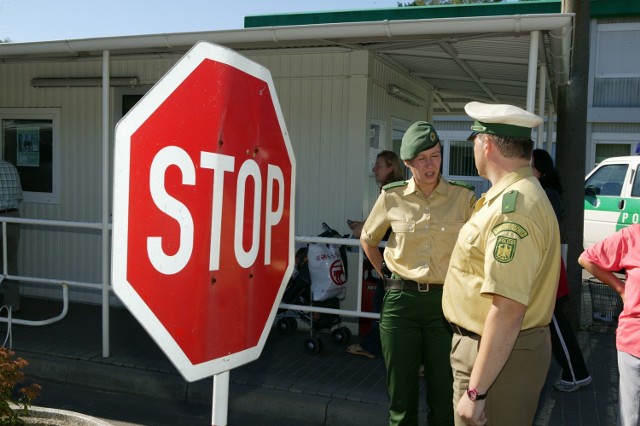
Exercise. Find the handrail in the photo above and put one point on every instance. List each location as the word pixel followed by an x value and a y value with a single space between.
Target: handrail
pixel 65 308
pixel 5 275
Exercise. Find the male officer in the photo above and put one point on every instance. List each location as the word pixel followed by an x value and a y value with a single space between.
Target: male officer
pixel 501 284
pixel 425 215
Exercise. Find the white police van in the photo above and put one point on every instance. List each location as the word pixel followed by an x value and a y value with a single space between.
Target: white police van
pixel 611 198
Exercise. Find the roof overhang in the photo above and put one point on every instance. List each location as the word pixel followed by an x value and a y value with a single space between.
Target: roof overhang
pixel 477 57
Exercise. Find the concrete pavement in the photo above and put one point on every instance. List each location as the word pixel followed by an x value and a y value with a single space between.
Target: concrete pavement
pixel 331 388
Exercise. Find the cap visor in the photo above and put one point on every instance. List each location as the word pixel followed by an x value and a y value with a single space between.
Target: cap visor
pixel 472 136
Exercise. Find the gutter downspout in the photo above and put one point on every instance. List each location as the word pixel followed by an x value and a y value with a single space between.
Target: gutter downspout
pixel 105 203
pixel 561 41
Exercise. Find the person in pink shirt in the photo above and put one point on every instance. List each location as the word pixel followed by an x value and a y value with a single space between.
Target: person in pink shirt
pixel 621 251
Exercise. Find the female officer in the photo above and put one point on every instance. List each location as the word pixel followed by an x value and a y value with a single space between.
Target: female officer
pixel 425 214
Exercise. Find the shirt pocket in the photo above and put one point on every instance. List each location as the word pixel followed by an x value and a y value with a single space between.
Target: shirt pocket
pixel 399 226
pixel 469 235
pixel 469 241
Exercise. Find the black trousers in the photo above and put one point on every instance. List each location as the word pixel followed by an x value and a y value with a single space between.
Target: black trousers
pixel 564 344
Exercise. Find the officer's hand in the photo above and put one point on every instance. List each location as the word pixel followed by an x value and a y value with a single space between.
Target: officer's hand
pixel 356 228
pixel 472 413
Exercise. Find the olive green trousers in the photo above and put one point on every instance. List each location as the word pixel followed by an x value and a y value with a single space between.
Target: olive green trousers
pixel 413 331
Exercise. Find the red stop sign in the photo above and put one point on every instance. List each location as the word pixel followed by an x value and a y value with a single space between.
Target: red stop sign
pixel 203 210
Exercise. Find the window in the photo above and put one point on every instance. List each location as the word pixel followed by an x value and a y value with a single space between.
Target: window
pixel 128 102
pixel 30 141
pixel 459 164
pixel 608 180
pixel 608 150
pixel 461 161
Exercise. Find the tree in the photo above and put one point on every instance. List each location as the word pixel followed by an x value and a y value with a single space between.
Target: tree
pixel 439 2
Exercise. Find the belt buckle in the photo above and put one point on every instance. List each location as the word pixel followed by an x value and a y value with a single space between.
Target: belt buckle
pixel 423 287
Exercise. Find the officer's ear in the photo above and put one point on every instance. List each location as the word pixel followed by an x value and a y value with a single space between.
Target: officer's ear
pixel 488 144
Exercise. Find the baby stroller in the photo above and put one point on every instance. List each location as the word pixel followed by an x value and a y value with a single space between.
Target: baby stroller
pixel 302 291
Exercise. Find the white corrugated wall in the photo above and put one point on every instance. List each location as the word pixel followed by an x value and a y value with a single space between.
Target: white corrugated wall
pixel 328 98
pixel 62 253
pixel 316 93
pixel 67 253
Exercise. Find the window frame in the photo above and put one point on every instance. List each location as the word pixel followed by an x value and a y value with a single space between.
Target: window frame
pixel 52 114
pixel 615 173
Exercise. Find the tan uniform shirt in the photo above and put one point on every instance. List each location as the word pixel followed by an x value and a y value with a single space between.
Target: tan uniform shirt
pixel 424 231
pixel 508 249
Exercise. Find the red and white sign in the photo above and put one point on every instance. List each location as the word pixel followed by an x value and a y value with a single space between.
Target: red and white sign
pixel 203 223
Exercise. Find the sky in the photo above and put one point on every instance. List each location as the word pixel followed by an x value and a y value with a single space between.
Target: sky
pixel 40 20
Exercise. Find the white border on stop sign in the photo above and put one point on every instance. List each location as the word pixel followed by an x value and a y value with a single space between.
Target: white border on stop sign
pixel 124 129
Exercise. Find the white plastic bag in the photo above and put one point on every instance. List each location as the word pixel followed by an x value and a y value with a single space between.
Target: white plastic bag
pixel 326 269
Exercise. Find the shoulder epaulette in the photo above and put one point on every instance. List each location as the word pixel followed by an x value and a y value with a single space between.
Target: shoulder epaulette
pixel 395 184
pixel 463 184
pixel 509 201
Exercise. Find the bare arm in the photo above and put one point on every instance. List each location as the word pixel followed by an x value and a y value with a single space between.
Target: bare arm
pixel 501 330
pixel 607 277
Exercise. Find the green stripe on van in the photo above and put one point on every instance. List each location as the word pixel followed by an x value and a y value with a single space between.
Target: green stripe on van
pixel 630 214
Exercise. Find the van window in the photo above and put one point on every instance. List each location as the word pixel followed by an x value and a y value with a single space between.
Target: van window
pixel 608 180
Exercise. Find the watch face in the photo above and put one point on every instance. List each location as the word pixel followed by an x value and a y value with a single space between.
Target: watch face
pixel 473 394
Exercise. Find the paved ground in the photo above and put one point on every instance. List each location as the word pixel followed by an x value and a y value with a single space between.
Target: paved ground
pixel 286 382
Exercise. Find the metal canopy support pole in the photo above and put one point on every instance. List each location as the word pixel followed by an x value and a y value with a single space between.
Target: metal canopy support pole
pixel 105 203
pixel 550 129
pixel 533 69
pixel 542 101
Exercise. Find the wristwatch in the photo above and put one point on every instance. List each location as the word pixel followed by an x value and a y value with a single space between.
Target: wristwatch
pixel 474 396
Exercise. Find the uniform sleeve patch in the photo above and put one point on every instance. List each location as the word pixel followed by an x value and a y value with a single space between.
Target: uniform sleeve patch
pixel 510 227
pixel 505 249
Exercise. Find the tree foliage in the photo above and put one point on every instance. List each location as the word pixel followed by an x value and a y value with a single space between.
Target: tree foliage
pixel 12 376
pixel 439 2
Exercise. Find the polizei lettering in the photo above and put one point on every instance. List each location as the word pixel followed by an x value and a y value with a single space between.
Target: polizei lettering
pixel 629 219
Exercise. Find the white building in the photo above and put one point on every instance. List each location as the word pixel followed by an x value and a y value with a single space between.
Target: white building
pixel 349 84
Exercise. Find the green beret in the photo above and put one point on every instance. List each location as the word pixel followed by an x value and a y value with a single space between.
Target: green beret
pixel 419 137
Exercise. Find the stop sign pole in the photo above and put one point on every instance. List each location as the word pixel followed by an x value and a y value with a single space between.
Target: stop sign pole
pixel 203 223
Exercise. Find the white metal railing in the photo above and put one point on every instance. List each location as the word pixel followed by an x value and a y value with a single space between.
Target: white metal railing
pixel 352 242
pixel 10 319
pixel 105 287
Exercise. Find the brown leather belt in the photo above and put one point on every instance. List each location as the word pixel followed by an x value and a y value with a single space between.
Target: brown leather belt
pixel 409 285
pixel 462 331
